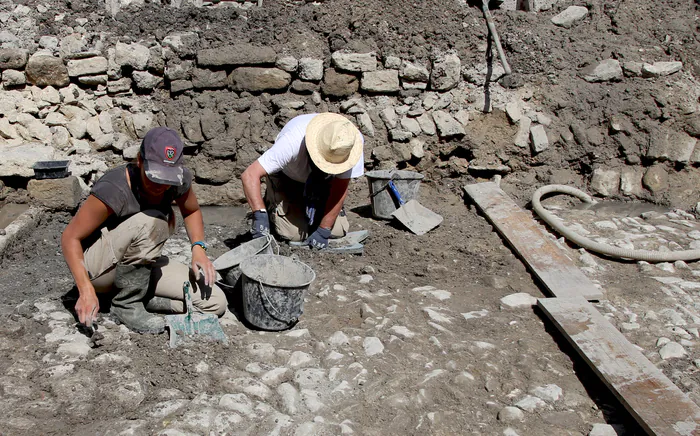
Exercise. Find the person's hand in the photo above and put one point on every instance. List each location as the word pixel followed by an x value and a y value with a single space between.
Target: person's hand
pixel 319 238
pixel 202 264
pixel 87 307
pixel 261 224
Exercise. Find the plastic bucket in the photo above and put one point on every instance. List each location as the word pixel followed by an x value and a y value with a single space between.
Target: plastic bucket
pixel 383 203
pixel 273 290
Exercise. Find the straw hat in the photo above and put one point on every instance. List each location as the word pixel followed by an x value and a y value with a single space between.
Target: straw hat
pixel 333 142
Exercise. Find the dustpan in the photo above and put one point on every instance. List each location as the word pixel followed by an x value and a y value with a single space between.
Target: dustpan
pixel 416 217
pixel 193 326
pixel 348 244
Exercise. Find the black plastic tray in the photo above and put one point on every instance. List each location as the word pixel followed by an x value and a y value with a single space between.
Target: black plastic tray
pixel 51 169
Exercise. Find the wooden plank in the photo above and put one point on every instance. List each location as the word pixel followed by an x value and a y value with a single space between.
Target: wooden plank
pixel 652 399
pixel 560 276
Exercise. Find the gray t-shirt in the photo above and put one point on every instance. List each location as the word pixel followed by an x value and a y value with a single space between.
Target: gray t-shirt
pixel 113 190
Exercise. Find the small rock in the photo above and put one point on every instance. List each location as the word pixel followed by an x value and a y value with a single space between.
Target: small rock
pixel 570 16
pixel 672 350
pixel 660 69
pixel 365 278
pixel 607 70
pixel 538 139
pixel 299 358
pixel 549 392
pixel 530 403
pixel 372 346
pixel 511 414
pixel 520 299
pixel 604 430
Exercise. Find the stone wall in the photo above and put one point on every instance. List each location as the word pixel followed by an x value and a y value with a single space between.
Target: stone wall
pixel 90 99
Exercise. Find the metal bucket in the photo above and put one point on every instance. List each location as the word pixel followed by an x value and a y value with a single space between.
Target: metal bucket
pixel 383 203
pixel 273 290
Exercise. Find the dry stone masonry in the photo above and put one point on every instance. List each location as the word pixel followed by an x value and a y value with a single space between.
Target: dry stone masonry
pixel 89 97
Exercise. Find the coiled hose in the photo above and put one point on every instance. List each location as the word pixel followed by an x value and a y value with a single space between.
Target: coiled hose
pixel 608 250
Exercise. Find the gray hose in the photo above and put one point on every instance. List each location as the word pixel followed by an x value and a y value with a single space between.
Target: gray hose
pixel 608 250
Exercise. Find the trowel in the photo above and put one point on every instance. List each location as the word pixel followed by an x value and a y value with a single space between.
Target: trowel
pixel 193 326
pixel 416 217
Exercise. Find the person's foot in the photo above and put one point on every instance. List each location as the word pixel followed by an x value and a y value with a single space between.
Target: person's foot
pixel 128 304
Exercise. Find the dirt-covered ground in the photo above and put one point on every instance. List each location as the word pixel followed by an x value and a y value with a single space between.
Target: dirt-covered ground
pixel 412 337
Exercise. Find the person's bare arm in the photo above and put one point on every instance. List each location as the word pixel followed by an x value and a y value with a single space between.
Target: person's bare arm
pixel 194 224
pixel 251 185
pixel 336 198
pixel 89 217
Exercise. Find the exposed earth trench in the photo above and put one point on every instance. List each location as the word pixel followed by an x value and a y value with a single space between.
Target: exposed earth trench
pixel 418 335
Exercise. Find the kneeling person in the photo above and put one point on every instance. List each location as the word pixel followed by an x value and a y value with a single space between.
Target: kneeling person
pixel 308 171
pixel 116 240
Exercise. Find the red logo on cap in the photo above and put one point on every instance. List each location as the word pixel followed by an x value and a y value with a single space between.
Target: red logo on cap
pixel 170 153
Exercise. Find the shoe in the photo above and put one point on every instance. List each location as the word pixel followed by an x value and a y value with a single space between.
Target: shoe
pixel 160 305
pixel 128 307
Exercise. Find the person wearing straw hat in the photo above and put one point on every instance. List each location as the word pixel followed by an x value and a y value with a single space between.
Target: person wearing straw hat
pixel 307 173
pixel 115 240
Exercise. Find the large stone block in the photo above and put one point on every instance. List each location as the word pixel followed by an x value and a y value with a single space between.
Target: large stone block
pixel 358 62
pixel 380 81
pixel 46 70
pixel 18 160
pixel 311 69
pixel 87 67
pixel 13 58
pixel 221 147
pixel 445 74
pixel 631 182
pixel 413 72
pixel 208 79
pixel 57 194
pixel 146 81
pixel 666 144
pixel 656 179
pixel 229 194
pixel 134 55
pixel 182 43
pixel 234 55
pixel 254 79
pixel 212 124
pixel 605 182
pixel 447 126
pixel 212 170
pixel 11 78
pixel 337 84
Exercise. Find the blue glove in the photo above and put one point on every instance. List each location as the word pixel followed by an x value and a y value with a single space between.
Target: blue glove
pixel 261 224
pixel 319 238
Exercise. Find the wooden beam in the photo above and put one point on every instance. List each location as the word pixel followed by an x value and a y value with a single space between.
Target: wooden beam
pixel 652 399
pixel 560 276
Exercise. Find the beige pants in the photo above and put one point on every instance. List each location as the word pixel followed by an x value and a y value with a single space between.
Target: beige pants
pixel 139 240
pixel 284 200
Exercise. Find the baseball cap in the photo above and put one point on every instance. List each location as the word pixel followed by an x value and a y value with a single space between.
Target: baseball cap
pixel 161 151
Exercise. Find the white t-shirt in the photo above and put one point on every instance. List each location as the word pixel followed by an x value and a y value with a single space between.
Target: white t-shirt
pixel 288 154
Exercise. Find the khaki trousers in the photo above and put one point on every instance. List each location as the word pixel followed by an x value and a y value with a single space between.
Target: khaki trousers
pixel 139 240
pixel 284 200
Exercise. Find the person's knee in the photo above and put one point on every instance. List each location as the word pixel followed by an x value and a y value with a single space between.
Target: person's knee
pixel 216 303
pixel 150 230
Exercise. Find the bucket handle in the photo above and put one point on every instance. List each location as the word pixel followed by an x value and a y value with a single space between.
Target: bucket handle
pixel 270 240
pixel 280 317
pixel 393 177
